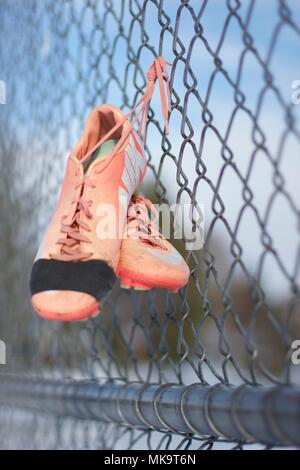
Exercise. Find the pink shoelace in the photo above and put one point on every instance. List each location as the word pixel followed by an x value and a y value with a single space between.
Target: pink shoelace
pixel 139 223
pixel 70 245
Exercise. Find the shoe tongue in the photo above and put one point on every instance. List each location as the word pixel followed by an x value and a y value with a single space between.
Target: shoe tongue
pixel 100 153
pixel 90 135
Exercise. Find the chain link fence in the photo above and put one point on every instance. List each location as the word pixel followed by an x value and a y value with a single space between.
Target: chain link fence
pixel 234 147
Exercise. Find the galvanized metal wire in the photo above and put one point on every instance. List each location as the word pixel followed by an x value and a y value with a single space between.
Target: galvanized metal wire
pixel 233 146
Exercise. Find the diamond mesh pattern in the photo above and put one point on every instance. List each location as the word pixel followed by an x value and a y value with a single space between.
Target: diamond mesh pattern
pixel 233 146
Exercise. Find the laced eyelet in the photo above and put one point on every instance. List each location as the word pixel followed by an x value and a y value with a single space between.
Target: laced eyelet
pixel 69 250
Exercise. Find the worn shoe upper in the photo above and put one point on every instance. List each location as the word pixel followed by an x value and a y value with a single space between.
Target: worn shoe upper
pixel 81 247
pixel 147 258
pixel 76 263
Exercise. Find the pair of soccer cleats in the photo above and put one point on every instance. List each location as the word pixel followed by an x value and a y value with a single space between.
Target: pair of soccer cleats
pixel 101 228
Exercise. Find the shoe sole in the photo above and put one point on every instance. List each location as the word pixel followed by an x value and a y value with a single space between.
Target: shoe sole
pixel 129 280
pixel 81 315
pixel 127 283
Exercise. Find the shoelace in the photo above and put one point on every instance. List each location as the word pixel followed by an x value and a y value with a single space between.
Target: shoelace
pixel 139 223
pixel 157 71
pixel 70 249
pixel 70 245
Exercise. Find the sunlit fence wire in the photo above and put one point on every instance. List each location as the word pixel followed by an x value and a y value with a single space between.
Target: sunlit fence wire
pixel 233 146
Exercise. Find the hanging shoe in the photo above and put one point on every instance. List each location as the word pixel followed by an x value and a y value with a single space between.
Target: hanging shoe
pixel 76 263
pixel 147 259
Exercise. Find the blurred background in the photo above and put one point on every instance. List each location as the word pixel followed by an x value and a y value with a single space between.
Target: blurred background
pixel 233 147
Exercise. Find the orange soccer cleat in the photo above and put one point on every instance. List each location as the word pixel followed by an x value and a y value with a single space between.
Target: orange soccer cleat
pixel 76 264
pixel 147 259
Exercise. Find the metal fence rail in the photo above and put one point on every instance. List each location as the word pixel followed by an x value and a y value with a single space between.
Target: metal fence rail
pixel 269 415
pixel 225 341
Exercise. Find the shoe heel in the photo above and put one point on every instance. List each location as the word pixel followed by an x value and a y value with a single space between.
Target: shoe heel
pixel 127 283
pixel 173 291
